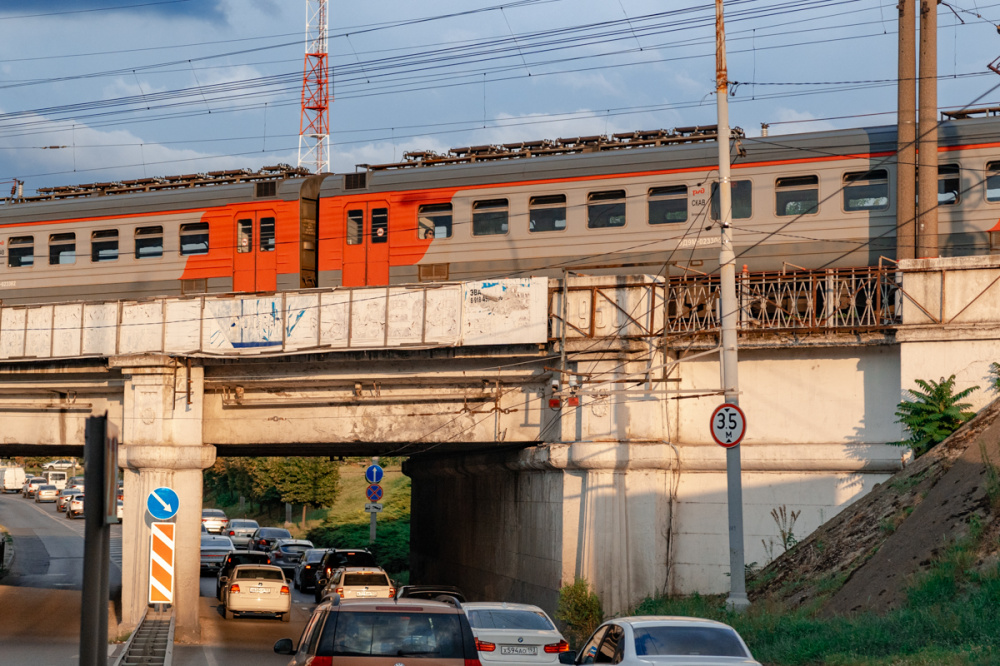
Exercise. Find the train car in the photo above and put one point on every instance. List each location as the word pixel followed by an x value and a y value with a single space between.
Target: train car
pixel 646 203
pixel 219 232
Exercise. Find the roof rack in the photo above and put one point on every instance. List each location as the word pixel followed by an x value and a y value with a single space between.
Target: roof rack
pixel 276 172
pixel 964 114
pixel 580 144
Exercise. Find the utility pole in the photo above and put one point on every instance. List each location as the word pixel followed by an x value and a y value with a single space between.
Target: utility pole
pixel 906 133
pixel 927 144
pixel 727 283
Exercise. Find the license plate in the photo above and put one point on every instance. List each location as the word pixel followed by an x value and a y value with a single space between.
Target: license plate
pixel 365 593
pixel 518 649
pixel 260 590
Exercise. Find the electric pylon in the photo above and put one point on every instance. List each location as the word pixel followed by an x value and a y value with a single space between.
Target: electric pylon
pixel 314 123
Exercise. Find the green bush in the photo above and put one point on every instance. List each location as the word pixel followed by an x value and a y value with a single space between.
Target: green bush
pixel 933 413
pixel 580 610
pixel 391 547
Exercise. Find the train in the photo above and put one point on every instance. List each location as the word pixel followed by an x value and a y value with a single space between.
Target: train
pixel 633 203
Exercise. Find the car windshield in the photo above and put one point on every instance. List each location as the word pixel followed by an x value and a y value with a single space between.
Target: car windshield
pixel 274 533
pixel 295 547
pixel 259 574
pixel 358 558
pixel 509 619
pixel 247 558
pixel 688 641
pixel 242 524
pixel 313 555
pixel 434 635
pixel 212 513
pixel 365 579
pixel 46 487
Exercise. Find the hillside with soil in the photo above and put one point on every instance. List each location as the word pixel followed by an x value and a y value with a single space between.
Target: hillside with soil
pixel 869 555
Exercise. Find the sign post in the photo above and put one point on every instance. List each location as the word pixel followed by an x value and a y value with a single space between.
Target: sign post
pixel 100 453
pixel 373 475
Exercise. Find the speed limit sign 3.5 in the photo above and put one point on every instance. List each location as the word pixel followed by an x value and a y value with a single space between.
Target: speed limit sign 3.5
pixel 729 424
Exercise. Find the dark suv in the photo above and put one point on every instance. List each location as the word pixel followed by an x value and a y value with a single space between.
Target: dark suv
pixel 234 558
pixel 336 558
pixel 430 633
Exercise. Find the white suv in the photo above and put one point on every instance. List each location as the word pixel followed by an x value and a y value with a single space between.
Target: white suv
pixel 353 583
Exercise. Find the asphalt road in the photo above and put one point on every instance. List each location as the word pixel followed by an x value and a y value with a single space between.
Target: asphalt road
pixel 40 599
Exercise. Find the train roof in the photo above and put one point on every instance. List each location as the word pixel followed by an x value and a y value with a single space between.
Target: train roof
pixel 695 156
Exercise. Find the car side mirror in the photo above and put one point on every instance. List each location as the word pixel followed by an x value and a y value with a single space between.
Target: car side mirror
pixel 564 657
pixel 284 646
pixel 223 578
pixel 321 582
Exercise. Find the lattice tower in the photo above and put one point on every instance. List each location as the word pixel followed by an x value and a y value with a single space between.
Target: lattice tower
pixel 314 123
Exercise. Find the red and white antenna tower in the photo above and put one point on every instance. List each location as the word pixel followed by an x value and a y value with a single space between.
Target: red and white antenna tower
pixel 314 123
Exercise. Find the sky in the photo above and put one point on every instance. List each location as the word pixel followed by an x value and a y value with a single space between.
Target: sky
pixel 109 90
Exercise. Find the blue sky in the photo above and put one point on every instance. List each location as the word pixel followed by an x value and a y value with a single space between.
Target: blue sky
pixel 104 90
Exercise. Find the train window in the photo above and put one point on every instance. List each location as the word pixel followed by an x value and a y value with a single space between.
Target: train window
pixel 148 242
pixel 434 221
pixel 606 209
pixel 244 236
pixel 547 213
pixel 104 245
pixel 993 181
pixel 796 195
pixel 355 227
pixel 267 242
pixel 742 199
pixel 949 184
pixel 380 225
pixel 866 190
pixel 62 249
pixel 489 217
pixel 21 251
pixel 668 205
pixel 194 238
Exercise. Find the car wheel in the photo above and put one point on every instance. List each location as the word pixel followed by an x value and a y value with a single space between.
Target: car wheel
pixel 286 617
pixel 228 613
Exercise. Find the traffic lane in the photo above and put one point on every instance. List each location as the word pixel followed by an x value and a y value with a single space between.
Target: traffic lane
pixel 48 547
pixel 242 640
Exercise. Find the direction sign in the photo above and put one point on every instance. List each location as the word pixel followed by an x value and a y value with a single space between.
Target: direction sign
pixel 374 493
pixel 729 424
pixel 162 503
pixel 374 474
pixel 161 563
pixel 373 508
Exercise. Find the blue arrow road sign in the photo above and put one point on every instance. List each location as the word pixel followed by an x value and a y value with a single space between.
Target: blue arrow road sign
pixel 162 503
pixel 374 474
pixel 374 493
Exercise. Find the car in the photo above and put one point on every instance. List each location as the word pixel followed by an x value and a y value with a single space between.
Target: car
pixel 240 530
pixel 430 633
pixel 429 592
pixel 353 583
pixel 59 464
pixel 214 549
pixel 75 482
pixel 214 520
pixel 46 493
pixel 514 634
pixel 64 497
pixel 647 639
pixel 233 559
pixel 28 490
pixel 204 530
pixel 120 510
pixel 74 507
pixel 307 568
pixel 287 553
pixel 336 558
pixel 264 538
pixel 257 588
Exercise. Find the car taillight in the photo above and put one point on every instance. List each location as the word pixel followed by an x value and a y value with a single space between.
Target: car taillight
pixel 392 592
pixel 284 589
pixel 319 661
pixel 263 542
pixel 234 588
pixel 483 646
pixel 232 533
pixel 309 566
pixel 561 646
pixel 473 662
pixel 340 591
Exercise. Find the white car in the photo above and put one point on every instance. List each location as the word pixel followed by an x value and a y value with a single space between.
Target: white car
pixel 46 493
pixel 514 634
pixel 59 464
pixel 665 641
pixel 257 588
pixel 74 507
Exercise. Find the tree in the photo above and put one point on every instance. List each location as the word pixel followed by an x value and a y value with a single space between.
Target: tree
pixel 932 413
pixel 307 481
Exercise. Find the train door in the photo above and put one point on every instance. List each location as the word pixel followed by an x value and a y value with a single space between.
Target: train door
pixel 255 264
pixel 366 244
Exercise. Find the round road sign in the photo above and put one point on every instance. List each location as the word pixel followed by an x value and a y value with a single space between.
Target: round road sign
pixel 374 493
pixel 373 474
pixel 729 424
pixel 162 503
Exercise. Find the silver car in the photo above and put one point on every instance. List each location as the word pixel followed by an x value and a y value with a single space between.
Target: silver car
pixel 240 530
pixel 214 549
pixel 64 497
pixel 214 520
pixel 46 493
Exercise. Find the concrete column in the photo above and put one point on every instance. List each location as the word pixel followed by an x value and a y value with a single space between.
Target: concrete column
pixel 162 446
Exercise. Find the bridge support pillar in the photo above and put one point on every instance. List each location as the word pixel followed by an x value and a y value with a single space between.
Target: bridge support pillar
pixel 162 446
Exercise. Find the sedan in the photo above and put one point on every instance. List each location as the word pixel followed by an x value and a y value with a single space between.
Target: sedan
pixel 64 498
pixel 214 549
pixel 514 634
pixel 307 568
pixel 643 640
pixel 264 538
pixel 31 485
pixel 287 553
pixel 59 464
pixel 74 507
pixel 214 520
pixel 46 493
pixel 240 530
pixel 257 588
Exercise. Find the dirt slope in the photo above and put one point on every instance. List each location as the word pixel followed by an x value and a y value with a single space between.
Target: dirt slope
pixel 866 557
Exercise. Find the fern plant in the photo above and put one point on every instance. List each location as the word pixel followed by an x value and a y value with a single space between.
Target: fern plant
pixel 932 413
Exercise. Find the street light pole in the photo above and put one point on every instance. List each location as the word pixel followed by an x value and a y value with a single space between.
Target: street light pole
pixel 727 283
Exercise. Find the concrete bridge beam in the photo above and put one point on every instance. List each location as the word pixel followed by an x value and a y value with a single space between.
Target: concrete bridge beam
pixel 161 431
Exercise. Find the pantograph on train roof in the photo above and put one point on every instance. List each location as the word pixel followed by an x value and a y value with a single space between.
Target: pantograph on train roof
pixel 544 147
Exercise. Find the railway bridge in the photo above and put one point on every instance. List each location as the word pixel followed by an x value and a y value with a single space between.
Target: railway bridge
pixel 554 429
